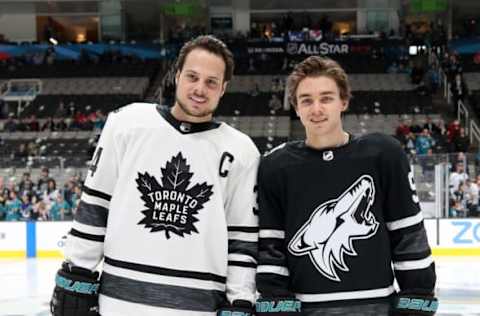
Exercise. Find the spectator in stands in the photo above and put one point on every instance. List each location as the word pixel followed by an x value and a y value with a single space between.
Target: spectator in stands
pixel 26 185
pixel 458 88
pixel 461 141
pixel 13 206
pixel 43 179
pixel 26 208
pixel 431 126
pixel 414 126
pixel 21 153
pixel 49 125
pixel 456 208
pixel 60 210
pixel 402 130
pixel 453 130
pixel 3 208
pixel 423 142
pixel 274 103
pixel 410 147
pixel 50 195
pixel 60 125
pixel 33 124
pixel 61 110
pixel 40 211
pixel 10 124
pixel 457 177
pixel 472 192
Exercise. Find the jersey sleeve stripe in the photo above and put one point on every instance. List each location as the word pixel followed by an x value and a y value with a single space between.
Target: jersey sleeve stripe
pixel 88 229
pixel 413 264
pixel 165 271
pixel 79 234
pixel 90 214
pixel 243 248
pixel 235 235
pixel 241 257
pixel 405 222
pixel 272 233
pixel 96 193
pixel 90 199
pixel 273 269
pixel 242 264
pixel 243 229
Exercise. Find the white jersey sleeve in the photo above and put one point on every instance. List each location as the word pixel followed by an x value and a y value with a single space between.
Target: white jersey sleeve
pixel 85 240
pixel 242 226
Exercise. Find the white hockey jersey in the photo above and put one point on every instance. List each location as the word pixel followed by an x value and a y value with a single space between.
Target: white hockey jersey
pixel 169 206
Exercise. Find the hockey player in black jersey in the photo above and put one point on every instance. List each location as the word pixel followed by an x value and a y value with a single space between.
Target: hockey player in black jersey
pixel 167 206
pixel 339 216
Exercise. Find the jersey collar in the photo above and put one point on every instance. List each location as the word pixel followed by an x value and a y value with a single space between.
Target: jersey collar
pixel 185 127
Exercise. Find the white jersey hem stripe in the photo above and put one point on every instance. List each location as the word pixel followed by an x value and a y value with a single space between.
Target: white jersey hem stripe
pixel 405 222
pixel 272 233
pixel 165 280
pixel 383 292
pixel 413 264
pixel 273 269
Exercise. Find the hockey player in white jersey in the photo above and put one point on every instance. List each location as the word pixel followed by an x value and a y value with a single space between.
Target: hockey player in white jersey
pixel 168 204
pixel 339 215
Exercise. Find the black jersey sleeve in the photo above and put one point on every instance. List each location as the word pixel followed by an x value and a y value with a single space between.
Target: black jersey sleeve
pixel 411 253
pixel 272 271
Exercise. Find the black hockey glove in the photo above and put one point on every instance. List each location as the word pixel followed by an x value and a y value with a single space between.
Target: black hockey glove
pixel 412 303
pixel 278 304
pixel 237 308
pixel 76 292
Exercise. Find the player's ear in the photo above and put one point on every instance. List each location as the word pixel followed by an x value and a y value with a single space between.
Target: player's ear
pixel 177 75
pixel 224 88
pixel 345 105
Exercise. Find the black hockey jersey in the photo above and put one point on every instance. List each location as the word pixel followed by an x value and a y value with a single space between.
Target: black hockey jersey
pixel 333 222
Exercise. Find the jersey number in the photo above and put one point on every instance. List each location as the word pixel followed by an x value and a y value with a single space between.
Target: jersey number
pixel 412 187
pixel 95 160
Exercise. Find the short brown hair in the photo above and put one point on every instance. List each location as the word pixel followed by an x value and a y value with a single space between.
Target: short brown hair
pixel 212 45
pixel 315 66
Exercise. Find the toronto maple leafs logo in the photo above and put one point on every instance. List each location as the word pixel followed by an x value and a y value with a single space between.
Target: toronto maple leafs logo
pixel 171 204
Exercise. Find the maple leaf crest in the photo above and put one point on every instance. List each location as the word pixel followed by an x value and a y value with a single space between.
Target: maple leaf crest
pixel 171 205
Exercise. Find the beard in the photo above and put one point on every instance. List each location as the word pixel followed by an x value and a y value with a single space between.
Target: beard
pixel 204 113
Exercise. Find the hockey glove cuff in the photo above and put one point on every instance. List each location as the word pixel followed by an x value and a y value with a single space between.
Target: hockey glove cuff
pixel 278 304
pixel 76 292
pixel 237 308
pixel 414 303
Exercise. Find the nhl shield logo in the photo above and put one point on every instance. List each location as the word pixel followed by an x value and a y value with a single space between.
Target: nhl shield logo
pixel 328 155
pixel 172 204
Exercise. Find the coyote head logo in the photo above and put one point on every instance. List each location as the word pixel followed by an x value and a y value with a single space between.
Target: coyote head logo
pixel 329 233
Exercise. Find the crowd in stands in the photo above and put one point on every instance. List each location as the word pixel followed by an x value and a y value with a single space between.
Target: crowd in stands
pixel 431 137
pixel 464 192
pixel 65 120
pixel 38 199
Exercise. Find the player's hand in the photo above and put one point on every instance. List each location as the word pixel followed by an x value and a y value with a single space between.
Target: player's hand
pixel 76 292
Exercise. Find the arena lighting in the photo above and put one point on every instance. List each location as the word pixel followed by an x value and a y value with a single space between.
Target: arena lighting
pixel 53 41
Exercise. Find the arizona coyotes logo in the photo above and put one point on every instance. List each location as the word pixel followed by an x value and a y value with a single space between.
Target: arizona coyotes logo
pixel 171 205
pixel 329 233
